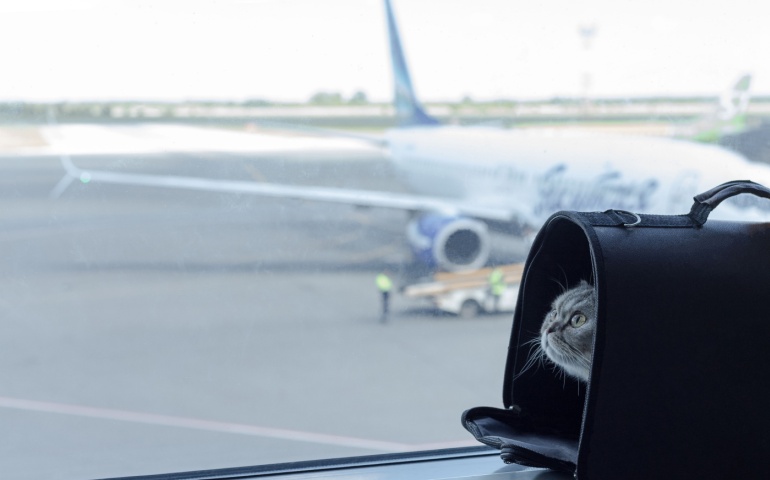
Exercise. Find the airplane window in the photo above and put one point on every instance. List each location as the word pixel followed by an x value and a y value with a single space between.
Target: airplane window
pixel 244 232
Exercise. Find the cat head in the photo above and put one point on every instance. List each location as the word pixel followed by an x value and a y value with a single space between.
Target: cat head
pixel 566 336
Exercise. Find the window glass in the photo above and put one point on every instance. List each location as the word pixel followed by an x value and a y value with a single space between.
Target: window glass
pixel 199 200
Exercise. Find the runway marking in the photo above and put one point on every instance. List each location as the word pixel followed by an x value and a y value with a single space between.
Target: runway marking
pixel 220 427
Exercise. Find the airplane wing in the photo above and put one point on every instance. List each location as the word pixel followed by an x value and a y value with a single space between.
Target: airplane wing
pixel 373 140
pixel 361 198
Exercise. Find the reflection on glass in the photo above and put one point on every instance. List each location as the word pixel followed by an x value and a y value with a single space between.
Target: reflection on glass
pixel 197 199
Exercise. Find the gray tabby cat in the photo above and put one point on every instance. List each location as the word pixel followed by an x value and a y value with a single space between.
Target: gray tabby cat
pixel 566 336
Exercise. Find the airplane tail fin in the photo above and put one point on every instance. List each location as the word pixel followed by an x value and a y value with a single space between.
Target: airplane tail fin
pixel 735 101
pixel 409 111
pixel 728 116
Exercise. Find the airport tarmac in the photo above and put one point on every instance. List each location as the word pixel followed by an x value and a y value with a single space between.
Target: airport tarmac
pixel 149 330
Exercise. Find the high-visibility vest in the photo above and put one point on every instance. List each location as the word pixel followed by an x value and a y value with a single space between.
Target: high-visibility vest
pixel 384 283
pixel 497 282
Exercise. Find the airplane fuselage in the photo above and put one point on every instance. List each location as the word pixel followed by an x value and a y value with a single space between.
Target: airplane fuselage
pixel 536 173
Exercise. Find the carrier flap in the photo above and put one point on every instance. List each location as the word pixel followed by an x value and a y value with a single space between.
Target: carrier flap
pixel 522 439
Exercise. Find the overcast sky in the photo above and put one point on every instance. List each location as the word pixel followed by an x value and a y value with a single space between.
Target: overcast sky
pixel 286 50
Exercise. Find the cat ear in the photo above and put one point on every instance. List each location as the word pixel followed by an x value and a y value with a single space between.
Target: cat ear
pixel 583 283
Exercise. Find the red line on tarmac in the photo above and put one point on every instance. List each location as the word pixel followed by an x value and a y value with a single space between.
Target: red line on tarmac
pixel 198 424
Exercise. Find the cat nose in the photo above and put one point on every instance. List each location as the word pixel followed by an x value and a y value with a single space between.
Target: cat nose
pixel 552 328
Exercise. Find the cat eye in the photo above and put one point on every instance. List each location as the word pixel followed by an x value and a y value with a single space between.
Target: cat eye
pixel 578 320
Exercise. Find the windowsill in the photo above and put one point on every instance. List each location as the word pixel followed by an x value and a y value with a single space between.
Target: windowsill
pixel 470 462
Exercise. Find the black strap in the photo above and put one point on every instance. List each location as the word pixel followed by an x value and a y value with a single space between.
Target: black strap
pixel 622 218
pixel 701 208
pixel 708 201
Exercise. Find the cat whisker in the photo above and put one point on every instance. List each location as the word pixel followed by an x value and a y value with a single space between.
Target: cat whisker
pixel 562 286
pixel 577 355
pixel 566 280
pixel 534 356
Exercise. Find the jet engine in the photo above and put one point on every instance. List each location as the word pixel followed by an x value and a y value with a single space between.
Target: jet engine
pixel 449 243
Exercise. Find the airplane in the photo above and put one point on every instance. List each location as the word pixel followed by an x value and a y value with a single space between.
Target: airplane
pixel 469 181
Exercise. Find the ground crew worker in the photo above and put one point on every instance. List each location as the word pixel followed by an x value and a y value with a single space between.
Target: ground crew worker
pixel 384 285
pixel 496 286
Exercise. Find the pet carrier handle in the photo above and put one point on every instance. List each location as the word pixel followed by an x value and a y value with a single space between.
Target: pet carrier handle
pixel 708 201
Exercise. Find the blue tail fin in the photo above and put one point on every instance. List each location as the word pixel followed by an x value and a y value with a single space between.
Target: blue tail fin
pixel 408 108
